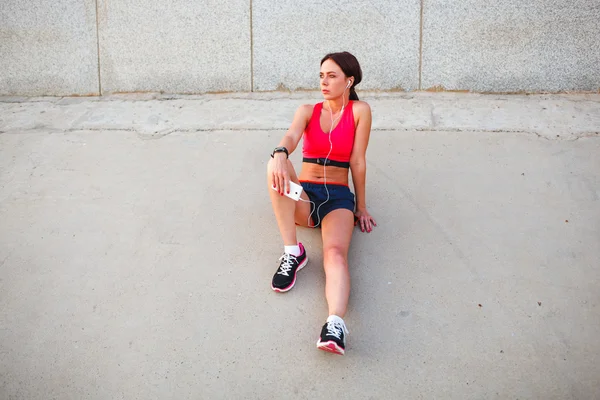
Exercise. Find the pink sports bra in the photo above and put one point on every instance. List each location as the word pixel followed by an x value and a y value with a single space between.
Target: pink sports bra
pixel 316 142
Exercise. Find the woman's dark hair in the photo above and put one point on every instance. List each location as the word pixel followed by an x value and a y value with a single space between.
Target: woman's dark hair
pixel 349 64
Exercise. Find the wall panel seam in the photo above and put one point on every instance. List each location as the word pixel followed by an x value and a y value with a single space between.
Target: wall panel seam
pixel 421 47
pixel 251 51
pixel 98 51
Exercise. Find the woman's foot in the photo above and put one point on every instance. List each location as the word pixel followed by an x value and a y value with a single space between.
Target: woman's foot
pixel 333 336
pixel 285 277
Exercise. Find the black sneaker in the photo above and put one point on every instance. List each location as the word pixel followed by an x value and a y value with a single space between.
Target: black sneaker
pixel 333 337
pixel 285 277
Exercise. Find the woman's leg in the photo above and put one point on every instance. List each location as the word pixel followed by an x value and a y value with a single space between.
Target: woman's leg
pixel 287 211
pixel 337 230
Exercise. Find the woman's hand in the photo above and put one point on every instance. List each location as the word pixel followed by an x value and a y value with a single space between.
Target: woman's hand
pixel 363 219
pixel 278 168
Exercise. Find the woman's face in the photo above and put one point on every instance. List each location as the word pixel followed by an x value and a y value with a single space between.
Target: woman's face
pixel 333 80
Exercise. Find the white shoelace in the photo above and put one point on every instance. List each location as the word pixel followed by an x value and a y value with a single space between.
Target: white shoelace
pixel 335 329
pixel 286 265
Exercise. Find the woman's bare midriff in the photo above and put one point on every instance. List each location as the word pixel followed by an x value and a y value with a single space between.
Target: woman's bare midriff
pixel 314 173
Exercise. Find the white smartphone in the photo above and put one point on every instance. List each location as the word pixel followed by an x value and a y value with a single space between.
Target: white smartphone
pixel 295 191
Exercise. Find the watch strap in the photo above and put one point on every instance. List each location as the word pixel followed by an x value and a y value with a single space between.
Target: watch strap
pixel 280 150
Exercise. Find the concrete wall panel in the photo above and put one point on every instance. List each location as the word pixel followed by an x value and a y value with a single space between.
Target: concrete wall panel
pixel 179 46
pixel 291 37
pixel 512 45
pixel 48 47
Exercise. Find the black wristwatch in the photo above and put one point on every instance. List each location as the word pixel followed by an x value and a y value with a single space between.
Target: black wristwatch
pixel 280 150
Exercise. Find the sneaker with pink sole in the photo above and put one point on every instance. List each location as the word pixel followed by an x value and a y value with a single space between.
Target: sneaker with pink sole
pixel 333 336
pixel 285 276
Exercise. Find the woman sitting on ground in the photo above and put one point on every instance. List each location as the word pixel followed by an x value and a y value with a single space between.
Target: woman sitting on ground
pixel 336 134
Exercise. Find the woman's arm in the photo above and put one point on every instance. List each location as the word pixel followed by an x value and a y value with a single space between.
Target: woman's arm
pixel 294 133
pixel 358 164
pixel 278 165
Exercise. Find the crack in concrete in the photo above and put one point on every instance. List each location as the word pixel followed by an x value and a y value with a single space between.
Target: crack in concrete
pixel 159 134
pixel 153 136
pixel 279 95
pixel 434 121
pixel 6 258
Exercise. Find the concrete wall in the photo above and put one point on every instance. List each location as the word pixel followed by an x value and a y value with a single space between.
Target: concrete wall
pixel 174 46
pixel 69 47
pixel 48 47
pixel 511 45
pixel 291 38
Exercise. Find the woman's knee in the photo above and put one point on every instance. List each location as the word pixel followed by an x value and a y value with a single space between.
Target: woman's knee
pixel 335 256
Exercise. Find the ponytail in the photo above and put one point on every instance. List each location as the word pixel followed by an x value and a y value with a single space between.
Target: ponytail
pixel 353 95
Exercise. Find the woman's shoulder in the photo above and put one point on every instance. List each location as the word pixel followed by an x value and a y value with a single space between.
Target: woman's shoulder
pixel 303 114
pixel 306 110
pixel 361 106
pixel 307 107
pixel 361 109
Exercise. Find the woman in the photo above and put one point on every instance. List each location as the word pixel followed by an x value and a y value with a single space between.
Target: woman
pixel 336 135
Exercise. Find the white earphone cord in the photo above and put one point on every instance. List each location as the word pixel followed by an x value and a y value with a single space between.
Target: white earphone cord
pixel 325 164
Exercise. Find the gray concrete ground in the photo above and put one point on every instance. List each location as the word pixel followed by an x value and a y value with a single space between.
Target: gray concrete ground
pixel 137 245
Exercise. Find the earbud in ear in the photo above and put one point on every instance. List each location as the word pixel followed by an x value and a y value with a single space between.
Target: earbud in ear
pixel 349 84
